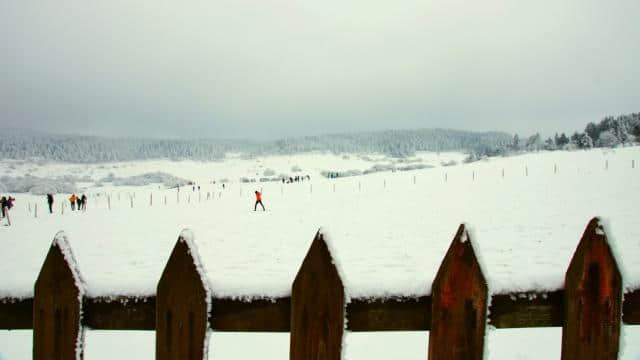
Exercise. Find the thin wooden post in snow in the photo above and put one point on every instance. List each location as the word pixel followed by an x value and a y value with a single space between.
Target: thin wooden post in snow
pixel 183 305
pixel 473 175
pixel 109 202
pixel 62 208
pixel 633 164
pixel 526 171
pixel 35 210
pixel 458 304
pixel 606 164
pixel 503 173
pixel 555 168
pixel 317 307
pixel 57 305
pixel 151 199
pixel 131 199
pixel 165 200
pixel 593 299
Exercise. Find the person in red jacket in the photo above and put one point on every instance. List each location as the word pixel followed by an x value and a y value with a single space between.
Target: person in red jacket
pixel 258 201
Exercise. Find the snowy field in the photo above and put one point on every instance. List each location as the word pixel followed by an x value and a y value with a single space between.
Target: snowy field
pixel 390 231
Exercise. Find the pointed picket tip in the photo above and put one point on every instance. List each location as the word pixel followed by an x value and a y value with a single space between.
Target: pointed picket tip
pixel 317 306
pixel 458 303
pixel 57 304
pixel 183 304
pixel 319 256
pixel 593 299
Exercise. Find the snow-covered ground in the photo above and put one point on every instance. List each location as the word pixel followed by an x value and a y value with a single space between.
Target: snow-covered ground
pixel 390 230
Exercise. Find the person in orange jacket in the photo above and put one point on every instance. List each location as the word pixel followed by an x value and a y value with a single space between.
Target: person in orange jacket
pixel 72 199
pixel 258 201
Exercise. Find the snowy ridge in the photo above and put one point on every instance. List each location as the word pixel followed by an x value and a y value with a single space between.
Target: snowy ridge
pixel 328 239
pixel 61 241
pixel 483 267
pixel 604 228
pixel 347 298
pixel 188 238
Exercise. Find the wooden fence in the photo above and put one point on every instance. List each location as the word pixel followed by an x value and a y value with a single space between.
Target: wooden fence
pixel 590 308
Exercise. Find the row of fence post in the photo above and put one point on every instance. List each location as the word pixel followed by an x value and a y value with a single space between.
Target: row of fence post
pixel 459 296
pixel 446 178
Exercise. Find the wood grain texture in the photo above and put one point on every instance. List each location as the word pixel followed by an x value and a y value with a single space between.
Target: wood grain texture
pixel 593 300
pixel 458 304
pixel 181 308
pixel 317 307
pixel 57 330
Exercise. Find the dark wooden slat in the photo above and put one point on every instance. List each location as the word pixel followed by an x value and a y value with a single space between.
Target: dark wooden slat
pixel 631 308
pixel 521 310
pixel 257 315
pixel 16 314
pixel 120 313
pixel 398 314
pixel 317 307
pixel 395 314
pixel 57 306
pixel 458 304
pixel 181 307
pixel 593 299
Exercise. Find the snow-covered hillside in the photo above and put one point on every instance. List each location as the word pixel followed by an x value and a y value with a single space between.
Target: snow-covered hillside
pixel 390 229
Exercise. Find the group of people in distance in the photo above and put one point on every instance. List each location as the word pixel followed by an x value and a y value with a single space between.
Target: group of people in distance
pixel 299 178
pixel 79 201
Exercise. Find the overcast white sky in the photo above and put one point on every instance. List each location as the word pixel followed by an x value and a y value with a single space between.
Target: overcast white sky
pixel 272 68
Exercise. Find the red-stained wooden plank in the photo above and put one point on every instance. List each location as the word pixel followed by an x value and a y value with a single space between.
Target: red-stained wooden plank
pixel 57 305
pixel 458 304
pixel 181 306
pixel 317 307
pixel 593 299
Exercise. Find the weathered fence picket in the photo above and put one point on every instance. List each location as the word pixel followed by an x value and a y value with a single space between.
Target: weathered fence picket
pixel 317 307
pixel 183 303
pixel 593 299
pixel 57 305
pixel 458 304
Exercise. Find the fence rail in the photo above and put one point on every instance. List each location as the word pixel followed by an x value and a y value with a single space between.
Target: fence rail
pixel 590 309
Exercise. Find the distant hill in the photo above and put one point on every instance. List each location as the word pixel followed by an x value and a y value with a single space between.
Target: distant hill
pixel 24 144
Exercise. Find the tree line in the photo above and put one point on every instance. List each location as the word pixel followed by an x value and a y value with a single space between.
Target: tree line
pixel 609 132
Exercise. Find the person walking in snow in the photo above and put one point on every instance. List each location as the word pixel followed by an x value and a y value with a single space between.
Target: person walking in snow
pixel 50 202
pixel 258 201
pixel 83 200
pixel 72 200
